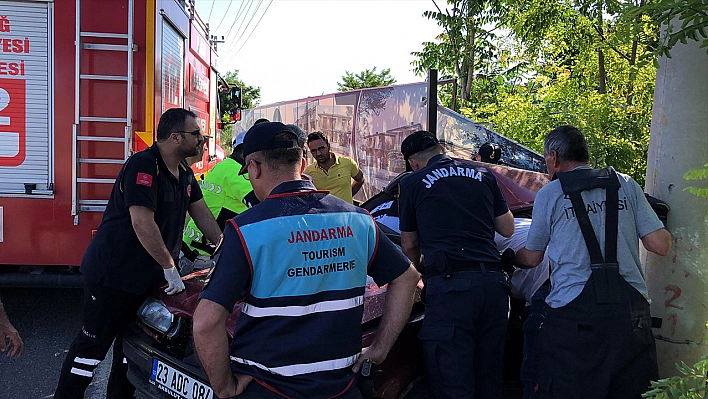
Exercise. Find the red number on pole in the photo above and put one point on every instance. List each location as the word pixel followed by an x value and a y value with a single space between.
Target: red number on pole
pixel 677 293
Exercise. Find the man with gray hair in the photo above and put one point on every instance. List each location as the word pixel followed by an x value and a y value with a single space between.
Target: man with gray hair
pixel 596 339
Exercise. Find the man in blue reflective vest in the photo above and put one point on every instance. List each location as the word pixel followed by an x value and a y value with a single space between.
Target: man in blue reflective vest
pixel 298 262
pixel 450 210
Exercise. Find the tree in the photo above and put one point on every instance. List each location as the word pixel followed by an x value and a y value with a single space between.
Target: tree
pixel 250 95
pixel 587 73
pixel 250 98
pixel 365 79
pixel 467 44
pixel 606 26
pixel 692 14
pixel 554 62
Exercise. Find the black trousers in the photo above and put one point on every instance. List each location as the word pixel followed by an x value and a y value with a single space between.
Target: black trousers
pixel 592 350
pixel 106 314
pixel 463 334
pixel 537 314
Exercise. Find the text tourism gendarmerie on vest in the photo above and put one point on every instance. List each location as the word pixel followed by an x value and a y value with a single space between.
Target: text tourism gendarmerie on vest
pixel 331 233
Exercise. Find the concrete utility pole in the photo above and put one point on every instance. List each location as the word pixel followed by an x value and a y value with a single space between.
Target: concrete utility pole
pixel 678 283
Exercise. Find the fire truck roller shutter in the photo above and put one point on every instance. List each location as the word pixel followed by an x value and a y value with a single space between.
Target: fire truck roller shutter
pixel 26 98
pixel 172 67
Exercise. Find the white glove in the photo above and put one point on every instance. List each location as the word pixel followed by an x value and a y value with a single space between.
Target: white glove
pixel 174 281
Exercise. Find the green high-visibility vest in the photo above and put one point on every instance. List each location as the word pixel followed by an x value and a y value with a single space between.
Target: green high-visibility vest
pixel 222 188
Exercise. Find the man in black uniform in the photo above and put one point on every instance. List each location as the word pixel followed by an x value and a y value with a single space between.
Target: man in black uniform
pixel 135 249
pixel 450 210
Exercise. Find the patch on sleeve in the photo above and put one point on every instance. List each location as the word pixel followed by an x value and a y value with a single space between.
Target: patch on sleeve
pixel 189 191
pixel 144 179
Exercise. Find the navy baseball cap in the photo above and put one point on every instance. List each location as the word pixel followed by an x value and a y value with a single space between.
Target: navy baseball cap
pixel 417 142
pixel 261 137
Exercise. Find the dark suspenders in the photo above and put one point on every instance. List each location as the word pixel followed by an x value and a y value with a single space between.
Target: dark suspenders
pixel 605 268
pixel 609 285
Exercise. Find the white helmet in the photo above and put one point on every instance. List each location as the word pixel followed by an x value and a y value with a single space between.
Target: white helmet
pixel 238 139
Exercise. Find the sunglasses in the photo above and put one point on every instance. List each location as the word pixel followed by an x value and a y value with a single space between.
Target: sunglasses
pixel 318 149
pixel 244 169
pixel 197 133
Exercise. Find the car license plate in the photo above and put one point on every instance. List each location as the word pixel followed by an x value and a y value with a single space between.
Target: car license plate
pixel 176 383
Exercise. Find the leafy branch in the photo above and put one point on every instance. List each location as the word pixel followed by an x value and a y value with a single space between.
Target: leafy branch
pixel 693 18
pixel 691 384
pixel 697 174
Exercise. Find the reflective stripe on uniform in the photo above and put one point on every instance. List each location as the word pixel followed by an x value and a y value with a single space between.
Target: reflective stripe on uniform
pixel 305 368
pixel 209 186
pixel 326 306
pixel 80 372
pixel 89 362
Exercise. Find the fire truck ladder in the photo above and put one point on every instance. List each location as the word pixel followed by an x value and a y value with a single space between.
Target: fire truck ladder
pixel 79 204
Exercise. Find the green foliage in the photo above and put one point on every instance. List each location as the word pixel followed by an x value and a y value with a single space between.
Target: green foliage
pixel 697 174
pixel 226 135
pixel 365 79
pixel 617 134
pixel 562 62
pixel 467 45
pixel 250 95
pixel 692 16
pixel 690 384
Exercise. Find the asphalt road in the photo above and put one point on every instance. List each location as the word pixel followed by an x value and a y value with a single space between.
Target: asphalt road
pixel 48 320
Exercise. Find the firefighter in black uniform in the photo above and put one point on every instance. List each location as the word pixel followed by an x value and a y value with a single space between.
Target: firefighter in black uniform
pixel 135 249
pixel 450 210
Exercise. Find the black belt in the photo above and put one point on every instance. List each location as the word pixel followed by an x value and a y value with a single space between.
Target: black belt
pixel 461 266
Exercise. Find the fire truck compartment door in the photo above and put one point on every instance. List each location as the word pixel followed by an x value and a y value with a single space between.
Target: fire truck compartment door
pixel 172 67
pixel 26 98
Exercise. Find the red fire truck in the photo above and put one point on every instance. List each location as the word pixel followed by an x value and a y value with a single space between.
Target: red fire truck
pixel 82 86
